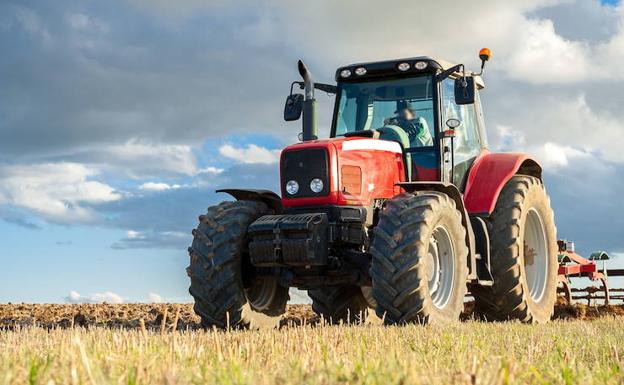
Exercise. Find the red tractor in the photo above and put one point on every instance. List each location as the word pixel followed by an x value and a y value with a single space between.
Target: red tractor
pixel 403 209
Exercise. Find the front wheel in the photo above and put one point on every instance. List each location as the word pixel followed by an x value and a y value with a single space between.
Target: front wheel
pixel 419 264
pixel 226 292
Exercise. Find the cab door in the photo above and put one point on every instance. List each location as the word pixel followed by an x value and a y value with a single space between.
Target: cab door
pixel 459 152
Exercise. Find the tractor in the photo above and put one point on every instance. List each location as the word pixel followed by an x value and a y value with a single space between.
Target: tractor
pixel 403 209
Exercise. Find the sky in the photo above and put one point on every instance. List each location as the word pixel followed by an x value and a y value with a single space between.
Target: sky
pixel 119 119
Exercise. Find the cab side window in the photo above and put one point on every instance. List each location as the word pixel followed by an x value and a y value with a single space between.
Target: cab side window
pixel 466 142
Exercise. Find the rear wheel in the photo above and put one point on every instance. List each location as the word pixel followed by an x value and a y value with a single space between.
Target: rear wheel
pixel 223 283
pixel 339 303
pixel 524 255
pixel 419 264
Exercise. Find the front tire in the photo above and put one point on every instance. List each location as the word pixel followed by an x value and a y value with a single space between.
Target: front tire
pixel 419 259
pixel 524 256
pixel 223 285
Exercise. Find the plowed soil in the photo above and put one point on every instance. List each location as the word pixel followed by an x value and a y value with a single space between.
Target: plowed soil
pixel 182 317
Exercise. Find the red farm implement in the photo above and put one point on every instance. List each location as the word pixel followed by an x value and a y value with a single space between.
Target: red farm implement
pixel 572 265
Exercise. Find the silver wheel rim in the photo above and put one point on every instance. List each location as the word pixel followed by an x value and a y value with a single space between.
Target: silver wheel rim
pixel 261 294
pixel 535 255
pixel 440 267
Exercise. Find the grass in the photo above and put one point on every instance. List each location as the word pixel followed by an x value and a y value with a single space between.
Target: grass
pixel 562 352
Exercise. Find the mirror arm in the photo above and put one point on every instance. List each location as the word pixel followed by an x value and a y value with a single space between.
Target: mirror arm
pixel 445 74
pixel 330 89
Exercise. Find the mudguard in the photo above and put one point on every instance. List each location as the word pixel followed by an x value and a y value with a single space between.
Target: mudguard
pixel 488 176
pixel 270 198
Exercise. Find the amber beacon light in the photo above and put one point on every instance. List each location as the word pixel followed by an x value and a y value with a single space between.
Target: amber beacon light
pixel 485 54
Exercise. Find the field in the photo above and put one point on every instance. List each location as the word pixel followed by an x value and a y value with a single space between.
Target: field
pixel 43 344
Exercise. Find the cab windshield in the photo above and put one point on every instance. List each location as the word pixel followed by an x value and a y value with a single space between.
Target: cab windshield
pixel 400 109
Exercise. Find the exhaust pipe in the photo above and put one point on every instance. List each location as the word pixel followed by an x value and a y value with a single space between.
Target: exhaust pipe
pixel 309 130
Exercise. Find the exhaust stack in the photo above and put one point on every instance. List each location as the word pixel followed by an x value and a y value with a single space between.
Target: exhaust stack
pixel 309 129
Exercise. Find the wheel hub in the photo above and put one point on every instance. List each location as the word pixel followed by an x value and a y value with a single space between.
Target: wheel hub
pixel 440 267
pixel 535 255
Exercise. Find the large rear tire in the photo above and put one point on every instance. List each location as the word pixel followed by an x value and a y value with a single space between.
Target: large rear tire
pixel 223 285
pixel 419 260
pixel 524 256
pixel 339 304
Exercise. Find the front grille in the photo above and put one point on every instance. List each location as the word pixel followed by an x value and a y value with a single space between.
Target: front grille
pixel 302 166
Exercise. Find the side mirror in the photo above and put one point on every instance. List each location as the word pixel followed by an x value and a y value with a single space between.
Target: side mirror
pixel 293 107
pixel 464 90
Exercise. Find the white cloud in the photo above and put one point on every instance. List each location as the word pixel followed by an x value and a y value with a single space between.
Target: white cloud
pixel 556 128
pixel 153 239
pixel 145 159
pixel 541 56
pixel 210 170
pixel 131 234
pixel 509 138
pixel 32 23
pixel 251 154
pixel 153 186
pixel 83 22
pixel 104 297
pixel 552 155
pixel 155 298
pixel 611 53
pixel 56 191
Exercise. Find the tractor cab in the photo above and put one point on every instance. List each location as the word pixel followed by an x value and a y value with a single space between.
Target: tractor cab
pixel 413 102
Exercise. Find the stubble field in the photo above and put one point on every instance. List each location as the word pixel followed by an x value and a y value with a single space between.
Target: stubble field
pixel 108 344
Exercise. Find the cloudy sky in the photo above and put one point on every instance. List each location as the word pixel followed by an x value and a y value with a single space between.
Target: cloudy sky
pixel 119 119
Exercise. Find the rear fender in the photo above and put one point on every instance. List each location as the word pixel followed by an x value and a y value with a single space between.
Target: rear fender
pixel 268 197
pixel 488 176
pixel 452 191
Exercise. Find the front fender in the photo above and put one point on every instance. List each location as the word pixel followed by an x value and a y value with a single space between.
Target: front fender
pixel 488 176
pixel 269 197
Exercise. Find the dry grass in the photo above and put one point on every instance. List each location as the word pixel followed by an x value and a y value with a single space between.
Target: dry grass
pixel 562 352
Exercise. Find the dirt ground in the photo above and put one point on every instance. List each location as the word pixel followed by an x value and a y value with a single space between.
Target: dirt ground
pixel 181 316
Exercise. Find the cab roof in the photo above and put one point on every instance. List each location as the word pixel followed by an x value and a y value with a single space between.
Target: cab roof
pixel 390 68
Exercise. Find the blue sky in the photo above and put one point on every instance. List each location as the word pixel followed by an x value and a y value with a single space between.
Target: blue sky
pixel 119 119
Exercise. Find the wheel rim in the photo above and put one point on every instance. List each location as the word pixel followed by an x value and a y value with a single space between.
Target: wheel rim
pixel 261 293
pixel 535 255
pixel 440 267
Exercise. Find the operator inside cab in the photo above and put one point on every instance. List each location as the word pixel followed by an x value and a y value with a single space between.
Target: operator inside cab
pixel 416 127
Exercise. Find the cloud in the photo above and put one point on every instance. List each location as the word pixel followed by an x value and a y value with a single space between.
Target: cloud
pixel 59 192
pixel 153 186
pixel 155 298
pixel 251 154
pixel 164 220
pixel 105 297
pixel 568 121
pixel 140 159
pixel 552 155
pixel 153 240
pixel 541 56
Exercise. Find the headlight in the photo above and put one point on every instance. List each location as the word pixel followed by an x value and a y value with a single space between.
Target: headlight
pixel 404 67
pixel 345 73
pixel 360 71
pixel 421 65
pixel 292 187
pixel 316 185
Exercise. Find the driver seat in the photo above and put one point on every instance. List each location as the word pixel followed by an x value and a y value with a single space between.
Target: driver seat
pixel 397 134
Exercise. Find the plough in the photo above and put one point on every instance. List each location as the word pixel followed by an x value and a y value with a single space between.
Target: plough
pixel 572 265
